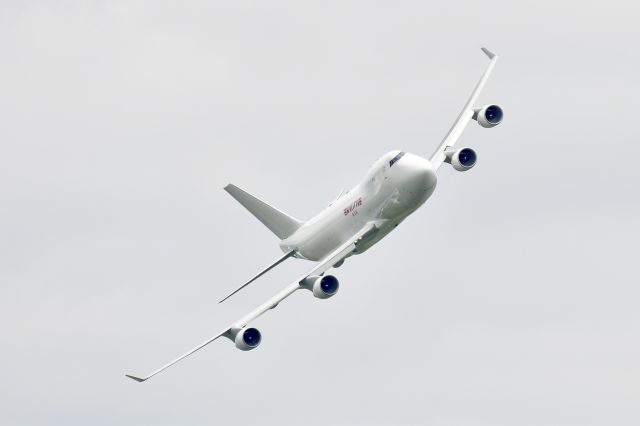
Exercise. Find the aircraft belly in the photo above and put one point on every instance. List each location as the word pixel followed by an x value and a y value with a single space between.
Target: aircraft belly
pixel 332 230
pixel 327 238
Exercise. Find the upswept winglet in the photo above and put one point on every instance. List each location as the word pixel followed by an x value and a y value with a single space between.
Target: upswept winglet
pixel 489 53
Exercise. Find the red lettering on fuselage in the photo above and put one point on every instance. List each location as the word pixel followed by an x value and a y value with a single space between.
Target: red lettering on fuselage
pixel 352 208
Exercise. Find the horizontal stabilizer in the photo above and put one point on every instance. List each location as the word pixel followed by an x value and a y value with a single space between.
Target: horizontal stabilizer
pixel 261 273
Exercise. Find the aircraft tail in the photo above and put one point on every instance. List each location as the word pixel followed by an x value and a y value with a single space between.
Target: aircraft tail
pixel 277 221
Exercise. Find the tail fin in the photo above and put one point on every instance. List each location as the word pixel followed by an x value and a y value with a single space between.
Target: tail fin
pixel 278 222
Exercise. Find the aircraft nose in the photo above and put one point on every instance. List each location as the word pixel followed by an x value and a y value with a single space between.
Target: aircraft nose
pixel 423 177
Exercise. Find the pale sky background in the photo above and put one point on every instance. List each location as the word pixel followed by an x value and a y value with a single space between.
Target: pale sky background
pixel 511 298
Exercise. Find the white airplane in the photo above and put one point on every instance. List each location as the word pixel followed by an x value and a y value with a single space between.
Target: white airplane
pixel 393 188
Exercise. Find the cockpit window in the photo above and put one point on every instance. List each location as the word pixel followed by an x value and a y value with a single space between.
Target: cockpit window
pixel 395 159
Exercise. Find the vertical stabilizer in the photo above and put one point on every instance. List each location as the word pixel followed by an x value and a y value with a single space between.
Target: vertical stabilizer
pixel 277 221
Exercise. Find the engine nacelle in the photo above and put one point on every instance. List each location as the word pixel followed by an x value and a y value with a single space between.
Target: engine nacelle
pixel 462 160
pixel 488 116
pixel 322 287
pixel 247 339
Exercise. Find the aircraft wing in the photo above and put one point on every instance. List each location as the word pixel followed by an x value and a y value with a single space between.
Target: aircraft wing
pixel 320 268
pixel 465 115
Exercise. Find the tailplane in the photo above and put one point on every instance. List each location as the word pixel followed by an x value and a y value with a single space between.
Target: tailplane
pixel 261 273
pixel 277 221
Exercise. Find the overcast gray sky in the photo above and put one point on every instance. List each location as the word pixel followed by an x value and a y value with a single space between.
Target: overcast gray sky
pixel 510 298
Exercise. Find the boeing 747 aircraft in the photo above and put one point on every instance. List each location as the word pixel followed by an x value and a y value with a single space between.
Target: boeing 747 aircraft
pixel 393 188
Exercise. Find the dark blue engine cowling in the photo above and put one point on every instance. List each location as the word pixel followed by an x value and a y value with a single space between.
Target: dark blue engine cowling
pixel 247 338
pixel 329 285
pixel 322 287
pixel 251 337
pixel 462 159
pixel 467 157
pixel 493 114
pixel 488 116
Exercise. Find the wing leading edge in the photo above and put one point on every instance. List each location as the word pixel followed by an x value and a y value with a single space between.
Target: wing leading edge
pixel 321 267
pixel 465 115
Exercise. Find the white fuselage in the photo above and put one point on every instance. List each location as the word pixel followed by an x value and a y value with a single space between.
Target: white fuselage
pixel 393 188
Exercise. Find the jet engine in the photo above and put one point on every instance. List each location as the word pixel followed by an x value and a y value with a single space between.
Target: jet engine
pixel 488 116
pixel 322 287
pixel 247 339
pixel 462 160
